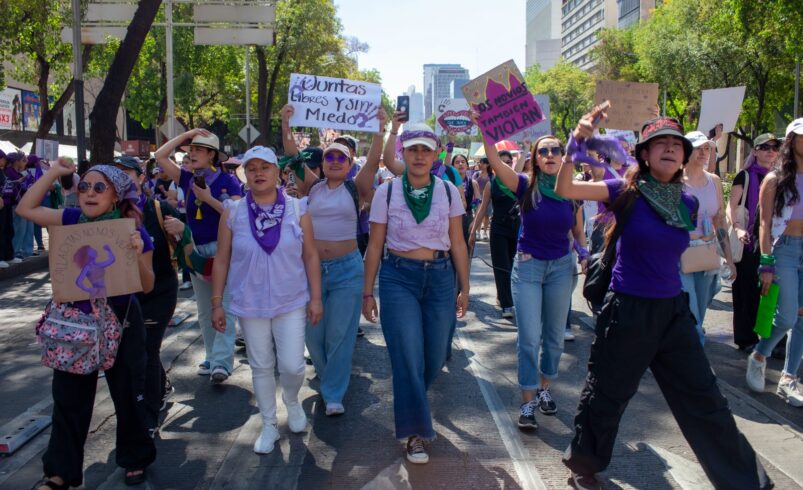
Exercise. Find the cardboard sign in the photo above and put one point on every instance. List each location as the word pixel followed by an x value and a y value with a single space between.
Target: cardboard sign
pixel 624 134
pixel 505 105
pixel 47 149
pixel 93 260
pixel 453 117
pixel 631 103
pixel 543 128
pixel 720 106
pixel 337 103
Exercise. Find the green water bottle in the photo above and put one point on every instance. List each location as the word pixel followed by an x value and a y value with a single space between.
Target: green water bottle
pixel 766 312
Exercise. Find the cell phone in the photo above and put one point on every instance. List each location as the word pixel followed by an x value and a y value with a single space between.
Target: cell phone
pixel 403 105
pixel 199 180
pixel 604 106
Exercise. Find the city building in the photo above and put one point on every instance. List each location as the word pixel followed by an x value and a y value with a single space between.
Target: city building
pixel 437 83
pixel 634 11
pixel 456 88
pixel 543 42
pixel 580 22
pixel 416 105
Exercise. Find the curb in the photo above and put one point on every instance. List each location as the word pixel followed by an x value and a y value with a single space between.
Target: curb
pixel 27 266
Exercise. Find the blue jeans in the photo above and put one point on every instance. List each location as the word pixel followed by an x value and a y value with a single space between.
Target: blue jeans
pixel 219 346
pixel 37 234
pixel 702 287
pixel 417 307
pixel 788 254
pixel 23 236
pixel 330 342
pixel 542 291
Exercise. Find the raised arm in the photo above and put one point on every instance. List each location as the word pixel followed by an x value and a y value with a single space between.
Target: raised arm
pixel 162 155
pixel 30 206
pixel 395 166
pixel 288 142
pixel 566 186
pixel 365 177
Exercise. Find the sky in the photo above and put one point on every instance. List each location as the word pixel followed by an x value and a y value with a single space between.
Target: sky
pixel 403 35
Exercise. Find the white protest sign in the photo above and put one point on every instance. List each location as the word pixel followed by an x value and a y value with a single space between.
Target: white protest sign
pixel 624 134
pixel 47 149
pixel 454 117
pixel 541 129
pixel 720 106
pixel 337 103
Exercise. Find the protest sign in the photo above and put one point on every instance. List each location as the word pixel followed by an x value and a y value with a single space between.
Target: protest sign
pixel 324 102
pixel 93 260
pixel 624 134
pixel 720 106
pixel 453 117
pixel 631 103
pixel 47 149
pixel 504 104
pixel 11 109
pixel 543 128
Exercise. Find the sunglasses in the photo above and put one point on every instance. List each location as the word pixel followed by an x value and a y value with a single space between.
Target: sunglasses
pixel 335 158
pixel 767 147
pixel 99 187
pixel 555 150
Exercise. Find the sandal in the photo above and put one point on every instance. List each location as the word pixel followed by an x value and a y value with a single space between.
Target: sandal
pixel 134 476
pixel 47 482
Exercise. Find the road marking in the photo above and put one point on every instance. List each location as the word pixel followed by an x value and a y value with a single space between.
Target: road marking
pixel 528 474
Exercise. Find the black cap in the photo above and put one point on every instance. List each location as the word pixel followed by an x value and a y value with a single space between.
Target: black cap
pixel 347 140
pixel 129 162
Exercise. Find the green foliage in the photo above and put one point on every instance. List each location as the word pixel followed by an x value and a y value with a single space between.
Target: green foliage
pixel 570 91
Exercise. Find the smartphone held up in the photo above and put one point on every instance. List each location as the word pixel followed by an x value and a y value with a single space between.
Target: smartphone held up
pixel 403 105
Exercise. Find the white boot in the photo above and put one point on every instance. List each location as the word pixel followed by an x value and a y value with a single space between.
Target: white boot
pixel 266 440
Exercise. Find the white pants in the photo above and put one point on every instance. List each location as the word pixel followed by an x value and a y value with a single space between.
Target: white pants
pixel 287 331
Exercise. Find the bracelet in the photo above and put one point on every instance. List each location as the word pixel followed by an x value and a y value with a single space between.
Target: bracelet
pixel 766 268
pixel 214 298
pixel 767 259
pixel 366 296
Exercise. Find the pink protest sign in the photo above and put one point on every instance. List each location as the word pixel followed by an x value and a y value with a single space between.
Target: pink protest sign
pixel 504 103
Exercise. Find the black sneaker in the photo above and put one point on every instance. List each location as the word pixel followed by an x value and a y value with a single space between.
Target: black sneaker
pixel 360 332
pixel 527 416
pixel 546 404
pixel 585 482
pixel 416 453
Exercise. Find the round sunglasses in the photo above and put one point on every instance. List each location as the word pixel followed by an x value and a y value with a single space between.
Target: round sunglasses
pixel 331 157
pixel 555 150
pixel 99 187
pixel 767 147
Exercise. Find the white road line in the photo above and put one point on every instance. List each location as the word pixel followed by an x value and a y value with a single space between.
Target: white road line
pixel 528 474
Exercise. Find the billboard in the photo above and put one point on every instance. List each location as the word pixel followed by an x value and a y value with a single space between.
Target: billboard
pixel 11 109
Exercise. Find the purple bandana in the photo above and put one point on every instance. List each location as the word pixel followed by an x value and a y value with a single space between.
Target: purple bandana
pixel 266 226
pixel 408 135
pixel 610 146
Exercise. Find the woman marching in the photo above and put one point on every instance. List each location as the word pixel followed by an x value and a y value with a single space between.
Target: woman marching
pixel 470 190
pixel 333 205
pixel 543 272
pixel 105 193
pixel 163 224
pixel 419 216
pixel 744 192
pixel 703 285
pixel 205 186
pixel 781 240
pixel 267 260
pixel 645 321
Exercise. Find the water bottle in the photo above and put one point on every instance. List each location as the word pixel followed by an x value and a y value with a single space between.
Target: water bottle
pixel 766 312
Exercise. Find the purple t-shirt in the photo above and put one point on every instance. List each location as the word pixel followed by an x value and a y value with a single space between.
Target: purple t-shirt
pixel 544 231
pixel 205 230
pixel 70 216
pixel 649 250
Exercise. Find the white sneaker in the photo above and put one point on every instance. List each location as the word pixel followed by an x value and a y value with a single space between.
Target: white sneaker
pixel 296 418
pixel 185 285
pixel 4 264
pixel 333 409
pixel 507 312
pixel 787 389
pixel 568 335
pixel 15 260
pixel 756 373
pixel 266 440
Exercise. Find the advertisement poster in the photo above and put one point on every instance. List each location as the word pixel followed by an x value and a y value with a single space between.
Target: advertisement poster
pixel 31 111
pixel 505 105
pixel 336 103
pixel 11 109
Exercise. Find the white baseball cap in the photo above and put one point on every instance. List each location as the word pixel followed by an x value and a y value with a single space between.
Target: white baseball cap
pixel 261 152
pixel 698 139
pixel 419 134
pixel 795 126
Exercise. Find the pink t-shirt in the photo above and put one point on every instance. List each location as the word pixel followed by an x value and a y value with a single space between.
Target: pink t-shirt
pixel 403 233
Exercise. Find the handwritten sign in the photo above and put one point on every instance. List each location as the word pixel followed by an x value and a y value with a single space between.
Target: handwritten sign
pixel 453 117
pixel 93 260
pixel 543 128
pixel 631 103
pixel 623 134
pixel 720 106
pixel 337 103
pixel 504 103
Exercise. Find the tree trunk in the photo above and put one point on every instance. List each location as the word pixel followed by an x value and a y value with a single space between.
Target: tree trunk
pixel 268 132
pixel 103 117
pixel 262 95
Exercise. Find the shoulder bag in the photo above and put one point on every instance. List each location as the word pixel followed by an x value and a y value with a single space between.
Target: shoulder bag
pixel 740 219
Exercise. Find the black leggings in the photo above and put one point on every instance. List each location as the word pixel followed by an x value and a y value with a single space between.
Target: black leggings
pixel 634 334
pixel 6 233
pixel 74 400
pixel 503 250
pixel 746 296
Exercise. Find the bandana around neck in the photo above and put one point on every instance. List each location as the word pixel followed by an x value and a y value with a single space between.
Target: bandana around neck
pixel 665 199
pixel 266 225
pixel 546 186
pixel 113 214
pixel 418 200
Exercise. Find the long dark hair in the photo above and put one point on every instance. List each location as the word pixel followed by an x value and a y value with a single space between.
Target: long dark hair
pixel 488 170
pixel 787 173
pixel 527 203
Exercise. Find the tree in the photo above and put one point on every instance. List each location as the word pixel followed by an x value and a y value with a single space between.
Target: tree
pixel 104 114
pixel 615 55
pixel 570 91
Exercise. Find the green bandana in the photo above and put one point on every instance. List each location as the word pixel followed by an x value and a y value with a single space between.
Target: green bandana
pixel 546 186
pixel 664 199
pixel 505 189
pixel 114 214
pixel 296 163
pixel 418 200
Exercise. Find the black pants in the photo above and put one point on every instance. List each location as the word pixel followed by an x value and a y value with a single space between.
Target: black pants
pixel 746 296
pixel 74 399
pixel 158 307
pixel 6 233
pixel 634 334
pixel 503 250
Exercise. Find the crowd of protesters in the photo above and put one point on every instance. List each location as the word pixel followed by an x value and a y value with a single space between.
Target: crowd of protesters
pixel 284 254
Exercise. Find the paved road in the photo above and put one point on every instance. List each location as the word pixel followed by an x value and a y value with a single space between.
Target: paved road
pixel 208 432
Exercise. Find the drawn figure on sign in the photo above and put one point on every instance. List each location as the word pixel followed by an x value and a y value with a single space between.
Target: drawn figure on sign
pixel 85 258
pixel 364 118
